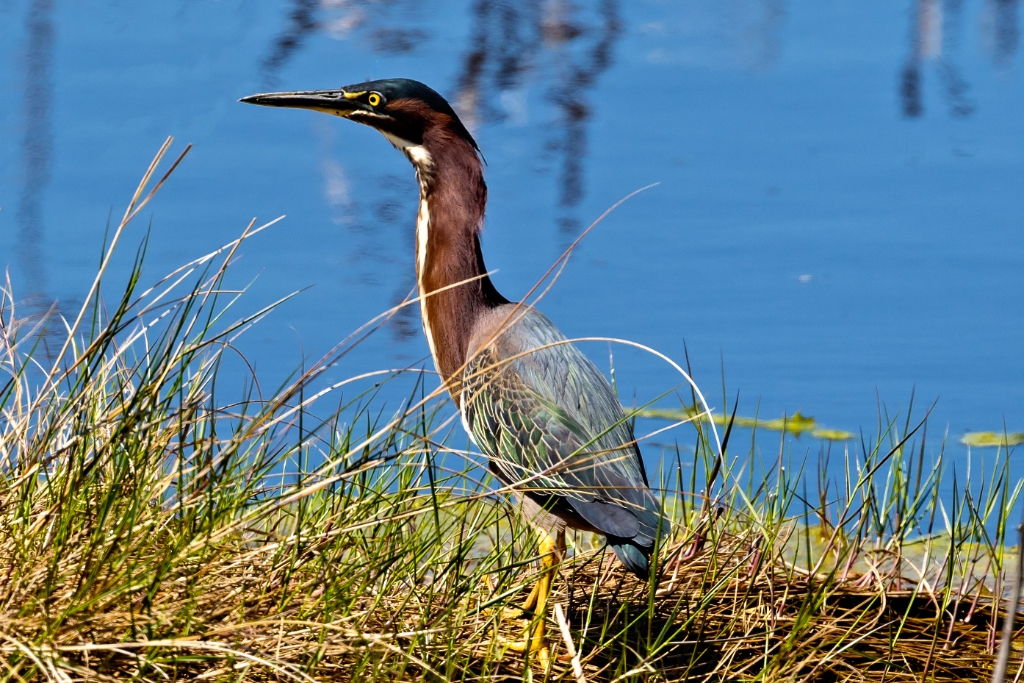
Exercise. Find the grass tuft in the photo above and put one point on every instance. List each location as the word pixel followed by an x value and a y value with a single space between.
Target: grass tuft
pixel 157 526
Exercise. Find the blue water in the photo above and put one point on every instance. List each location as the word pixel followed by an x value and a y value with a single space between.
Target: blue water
pixel 839 220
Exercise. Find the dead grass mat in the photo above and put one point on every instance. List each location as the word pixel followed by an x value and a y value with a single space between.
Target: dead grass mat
pixel 717 616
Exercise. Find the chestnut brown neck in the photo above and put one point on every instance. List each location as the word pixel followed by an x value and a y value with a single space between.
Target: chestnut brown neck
pixel 450 272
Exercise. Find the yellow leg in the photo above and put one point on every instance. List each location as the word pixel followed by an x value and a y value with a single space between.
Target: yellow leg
pixel 552 549
pixel 531 599
pixel 523 610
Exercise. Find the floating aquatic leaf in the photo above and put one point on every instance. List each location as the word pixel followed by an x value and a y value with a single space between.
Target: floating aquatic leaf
pixel 985 439
pixel 795 424
pixel 832 435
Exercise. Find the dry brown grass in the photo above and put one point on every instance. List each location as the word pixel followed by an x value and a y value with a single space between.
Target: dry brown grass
pixel 246 611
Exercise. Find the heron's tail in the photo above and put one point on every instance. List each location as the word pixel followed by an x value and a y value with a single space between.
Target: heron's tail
pixel 636 559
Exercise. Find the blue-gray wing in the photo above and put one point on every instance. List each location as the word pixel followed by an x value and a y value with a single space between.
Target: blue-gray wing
pixel 551 424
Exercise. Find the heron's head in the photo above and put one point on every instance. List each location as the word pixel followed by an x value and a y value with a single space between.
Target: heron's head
pixel 405 111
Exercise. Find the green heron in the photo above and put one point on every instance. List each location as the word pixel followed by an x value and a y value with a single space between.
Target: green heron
pixel 544 415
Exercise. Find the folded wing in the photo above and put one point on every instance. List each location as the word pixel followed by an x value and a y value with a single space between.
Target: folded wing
pixel 551 425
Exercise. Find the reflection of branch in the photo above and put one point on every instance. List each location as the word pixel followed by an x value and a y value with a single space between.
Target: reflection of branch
pixel 506 41
pixel 934 37
pixel 767 33
pixel 956 87
pixel 403 325
pixel 506 35
pixel 570 94
pixel 302 22
pixel 923 42
pixel 37 143
pixel 910 89
pixel 1007 32
pixel 397 41
pixel 960 105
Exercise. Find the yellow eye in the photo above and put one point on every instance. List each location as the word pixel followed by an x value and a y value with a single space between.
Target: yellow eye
pixel 373 99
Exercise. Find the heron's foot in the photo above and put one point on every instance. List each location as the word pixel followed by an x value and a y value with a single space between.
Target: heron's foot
pixel 509 613
pixel 523 611
pixel 534 642
pixel 537 648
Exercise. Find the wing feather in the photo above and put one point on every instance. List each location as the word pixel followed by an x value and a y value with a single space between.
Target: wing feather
pixel 551 424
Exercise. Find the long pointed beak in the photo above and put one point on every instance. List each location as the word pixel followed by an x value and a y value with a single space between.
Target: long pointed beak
pixel 327 101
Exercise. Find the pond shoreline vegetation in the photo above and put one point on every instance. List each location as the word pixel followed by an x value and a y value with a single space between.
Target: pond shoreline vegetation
pixel 152 530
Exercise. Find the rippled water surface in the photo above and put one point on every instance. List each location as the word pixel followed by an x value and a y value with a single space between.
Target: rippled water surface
pixel 839 216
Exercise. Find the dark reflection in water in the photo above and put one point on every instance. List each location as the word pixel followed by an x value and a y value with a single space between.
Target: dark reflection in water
pixel 396 41
pixel 562 45
pixel 936 29
pixel 954 85
pixel 301 22
pixel 570 92
pixel 508 40
pixel 764 41
pixel 1005 30
pixel 339 19
pixel 37 147
pixel 366 224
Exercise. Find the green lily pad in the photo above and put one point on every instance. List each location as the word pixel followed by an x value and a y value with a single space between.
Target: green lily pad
pixel 990 439
pixel 795 424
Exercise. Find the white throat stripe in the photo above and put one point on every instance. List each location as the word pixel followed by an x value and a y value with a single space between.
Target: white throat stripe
pixel 421 160
pixel 417 154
